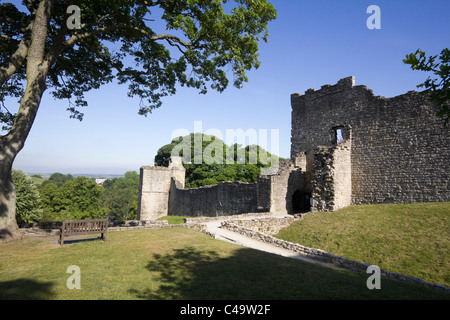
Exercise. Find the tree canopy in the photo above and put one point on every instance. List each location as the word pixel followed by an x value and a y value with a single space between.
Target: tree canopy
pixel 78 198
pixel 217 161
pixel 152 46
pixel 149 45
pixel 120 196
pixel 28 199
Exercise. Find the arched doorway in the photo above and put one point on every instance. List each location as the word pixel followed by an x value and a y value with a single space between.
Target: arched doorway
pixel 301 202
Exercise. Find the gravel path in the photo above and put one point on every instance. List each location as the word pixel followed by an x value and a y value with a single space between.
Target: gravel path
pixel 214 227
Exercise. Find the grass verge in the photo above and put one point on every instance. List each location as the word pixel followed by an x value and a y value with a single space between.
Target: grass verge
pixel 412 239
pixel 177 263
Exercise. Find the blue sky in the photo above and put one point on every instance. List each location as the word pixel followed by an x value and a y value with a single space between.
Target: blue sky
pixel 312 43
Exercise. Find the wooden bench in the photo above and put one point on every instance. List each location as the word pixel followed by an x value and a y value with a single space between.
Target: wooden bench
pixel 83 227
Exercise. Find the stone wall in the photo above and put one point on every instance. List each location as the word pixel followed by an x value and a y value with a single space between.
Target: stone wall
pixel 285 183
pixel 331 177
pixel 154 193
pixel 276 191
pixel 199 220
pixel 342 174
pixel 264 191
pixel 269 225
pixel 52 229
pixel 226 198
pixel 348 146
pixel 155 186
pixel 399 147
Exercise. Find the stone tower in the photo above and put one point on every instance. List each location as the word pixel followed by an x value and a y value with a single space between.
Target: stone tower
pixel 155 188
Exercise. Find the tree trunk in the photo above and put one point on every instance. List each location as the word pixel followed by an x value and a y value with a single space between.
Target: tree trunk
pixel 8 225
pixel 10 144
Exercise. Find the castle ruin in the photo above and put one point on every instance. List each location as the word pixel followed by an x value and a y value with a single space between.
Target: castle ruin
pixel 348 147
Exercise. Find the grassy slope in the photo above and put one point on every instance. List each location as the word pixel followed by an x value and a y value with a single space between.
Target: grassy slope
pixel 177 264
pixel 413 239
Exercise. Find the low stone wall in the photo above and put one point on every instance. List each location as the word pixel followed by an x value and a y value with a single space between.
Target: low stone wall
pixel 53 228
pixel 194 226
pixel 137 223
pixel 268 226
pixel 237 216
pixel 326 257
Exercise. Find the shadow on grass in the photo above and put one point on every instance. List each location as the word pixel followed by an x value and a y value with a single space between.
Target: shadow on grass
pixel 25 289
pixel 189 273
pixel 69 241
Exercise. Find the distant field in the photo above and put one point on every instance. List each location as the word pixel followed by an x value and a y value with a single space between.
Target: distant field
pixel 413 239
pixel 44 176
pixel 37 180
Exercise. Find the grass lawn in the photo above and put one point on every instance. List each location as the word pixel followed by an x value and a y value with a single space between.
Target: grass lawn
pixel 412 239
pixel 173 219
pixel 177 263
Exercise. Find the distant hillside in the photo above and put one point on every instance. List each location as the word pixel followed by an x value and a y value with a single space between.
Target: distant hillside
pixel 92 175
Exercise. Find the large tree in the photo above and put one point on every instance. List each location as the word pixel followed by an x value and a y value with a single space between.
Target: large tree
pixel 78 198
pixel 151 45
pixel 213 161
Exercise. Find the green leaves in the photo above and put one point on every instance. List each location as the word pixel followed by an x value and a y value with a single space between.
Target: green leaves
pixel 77 198
pixel 437 87
pixel 28 200
pixel 206 160
pixel 149 45
pixel 66 197
pixel 120 197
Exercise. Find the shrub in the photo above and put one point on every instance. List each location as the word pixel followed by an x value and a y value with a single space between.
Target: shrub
pixel 28 208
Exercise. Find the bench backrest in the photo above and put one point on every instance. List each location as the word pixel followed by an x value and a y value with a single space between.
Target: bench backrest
pixel 84 226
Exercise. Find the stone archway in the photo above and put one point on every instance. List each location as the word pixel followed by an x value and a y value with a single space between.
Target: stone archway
pixel 301 202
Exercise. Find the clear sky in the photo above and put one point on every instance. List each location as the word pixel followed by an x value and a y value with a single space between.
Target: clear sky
pixel 312 43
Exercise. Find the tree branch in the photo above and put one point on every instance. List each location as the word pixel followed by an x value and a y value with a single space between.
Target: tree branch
pixel 29 5
pixel 8 68
pixel 84 25
pixel 36 75
pixel 175 45
pixel 78 37
pixel 7 18
pixel 118 67
pixel 4 36
pixel 150 3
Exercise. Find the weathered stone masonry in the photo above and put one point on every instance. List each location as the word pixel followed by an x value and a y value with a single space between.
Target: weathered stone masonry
pixel 162 193
pixel 399 148
pixel 227 198
pixel 348 146
pixel 155 186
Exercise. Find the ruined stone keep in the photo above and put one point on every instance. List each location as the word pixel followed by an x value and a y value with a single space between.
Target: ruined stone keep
pixel 348 146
